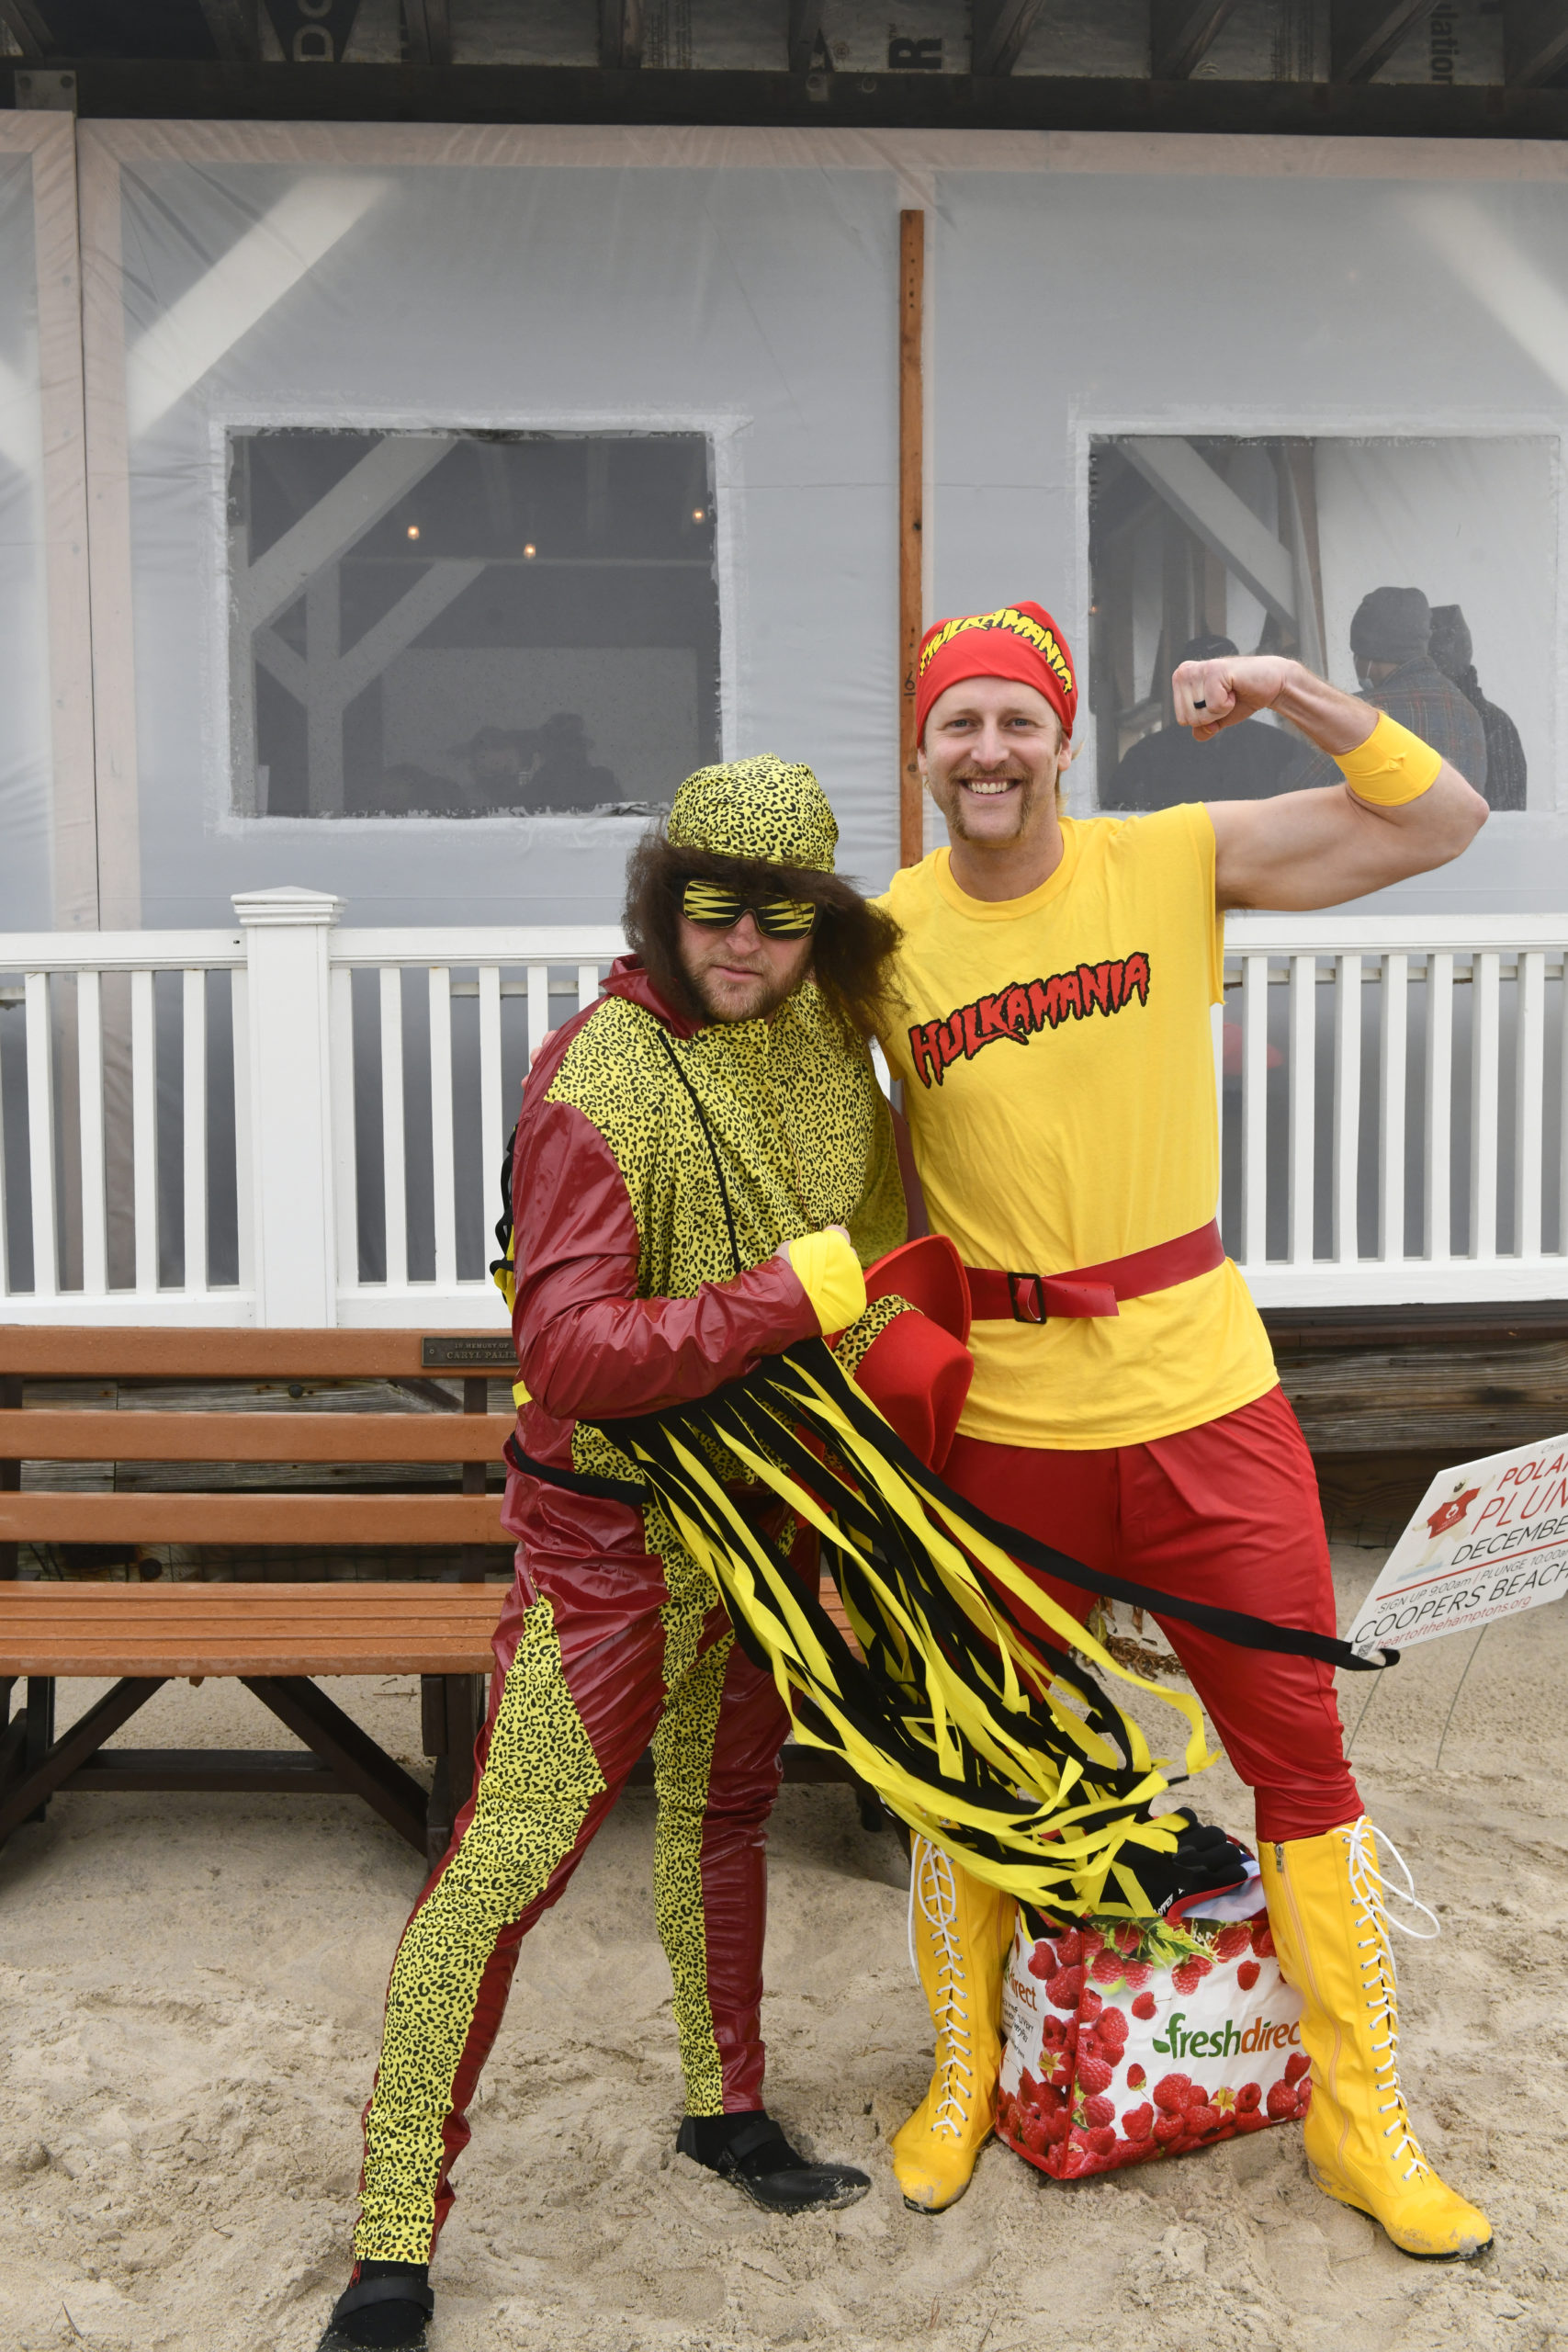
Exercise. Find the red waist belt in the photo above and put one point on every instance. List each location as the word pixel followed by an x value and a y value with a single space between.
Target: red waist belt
pixel 1094 1290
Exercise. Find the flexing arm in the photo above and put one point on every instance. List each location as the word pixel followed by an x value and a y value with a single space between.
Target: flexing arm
pixel 586 1342
pixel 1314 849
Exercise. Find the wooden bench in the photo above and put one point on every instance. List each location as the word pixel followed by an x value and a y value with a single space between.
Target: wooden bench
pixel 276 1638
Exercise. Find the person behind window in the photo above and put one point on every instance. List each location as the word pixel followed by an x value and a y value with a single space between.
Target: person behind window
pixel 1451 650
pixel 496 760
pixel 564 775
pixel 1391 632
pixel 1166 768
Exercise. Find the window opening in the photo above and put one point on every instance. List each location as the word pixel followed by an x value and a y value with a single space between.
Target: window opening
pixel 465 623
pixel 1421 573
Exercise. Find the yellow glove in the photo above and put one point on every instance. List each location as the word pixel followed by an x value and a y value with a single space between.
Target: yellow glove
pixel 829 1274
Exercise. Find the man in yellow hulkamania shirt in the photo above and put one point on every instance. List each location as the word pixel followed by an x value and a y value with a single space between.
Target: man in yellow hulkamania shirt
pixel 1056 1051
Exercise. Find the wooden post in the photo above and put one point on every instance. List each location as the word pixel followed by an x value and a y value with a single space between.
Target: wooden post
pixel 912 484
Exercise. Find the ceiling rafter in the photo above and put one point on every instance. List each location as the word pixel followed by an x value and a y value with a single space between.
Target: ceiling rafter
pixel 1535 42
pixel 26 21
pixel 1182 32
pixel 1001 27
pixel 234 26
pixel 1364 34
pixel 428 24
pixel 806 33
pixel 620 34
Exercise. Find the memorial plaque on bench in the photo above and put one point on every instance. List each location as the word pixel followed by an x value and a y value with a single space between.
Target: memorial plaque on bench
pixel 461 1352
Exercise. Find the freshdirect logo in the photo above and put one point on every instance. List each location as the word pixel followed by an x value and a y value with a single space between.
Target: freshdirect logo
pixel 1259 2035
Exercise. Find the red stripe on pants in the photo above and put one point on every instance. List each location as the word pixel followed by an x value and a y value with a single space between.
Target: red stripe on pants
pixel 1226 1514
pixel 611 1640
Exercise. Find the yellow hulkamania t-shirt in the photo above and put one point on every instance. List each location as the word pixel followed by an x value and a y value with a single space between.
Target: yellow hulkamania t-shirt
pixel 1057 1061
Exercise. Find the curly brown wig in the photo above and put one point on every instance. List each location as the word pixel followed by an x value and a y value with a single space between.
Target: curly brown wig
pixel 852 947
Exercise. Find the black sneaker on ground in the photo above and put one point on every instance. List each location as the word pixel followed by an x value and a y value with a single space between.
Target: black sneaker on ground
pixel 387 2308
pixel 753 2152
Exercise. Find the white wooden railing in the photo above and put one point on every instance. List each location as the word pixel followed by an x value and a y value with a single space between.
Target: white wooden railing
pixel 1396 1123
pixel 292 1122
pixel 277 1124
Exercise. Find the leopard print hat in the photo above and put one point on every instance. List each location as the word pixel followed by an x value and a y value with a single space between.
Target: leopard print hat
pixel 762 807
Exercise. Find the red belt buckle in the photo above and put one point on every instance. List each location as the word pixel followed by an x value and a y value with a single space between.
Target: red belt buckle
pixel 1036 1298
pixel 1017 1299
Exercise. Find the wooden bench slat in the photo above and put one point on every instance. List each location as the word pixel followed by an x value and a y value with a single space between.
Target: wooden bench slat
pixel 380 1628
pixel 244 1519
pixel 233 1625
pixel 355 1596
pixel 90 1436
pixel 55 1352
pixel 457 1657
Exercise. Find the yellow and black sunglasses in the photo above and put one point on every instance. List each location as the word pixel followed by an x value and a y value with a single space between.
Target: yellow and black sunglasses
pixel 718 909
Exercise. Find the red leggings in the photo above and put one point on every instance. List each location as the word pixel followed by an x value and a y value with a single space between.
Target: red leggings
pixel 1226 1514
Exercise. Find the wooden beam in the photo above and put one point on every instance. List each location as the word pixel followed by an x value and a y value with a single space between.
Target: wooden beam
pixel 116 1706
pixel 1364 34
pixel 251 1520
pixel 1182 32
pixel 97 1630
pixel 1312 632
pixel 446 580
pixel 1316 1331
pixel 345 1749
pixel 1001 27
pixel 44 1436
pixel 26 21
pixel 148 1351
pixel 1224 523
pixel 337 520
pixel 911 499
pixel 428 24
pixel 234 27
pixel 218 90
pixel 805 33
pixel 1535 42
pixel 620 34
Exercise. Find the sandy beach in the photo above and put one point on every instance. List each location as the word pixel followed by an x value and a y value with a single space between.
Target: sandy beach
pixel 193 1986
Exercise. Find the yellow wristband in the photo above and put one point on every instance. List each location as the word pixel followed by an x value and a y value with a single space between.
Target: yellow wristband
pixel 1392 767
pixel 829 1274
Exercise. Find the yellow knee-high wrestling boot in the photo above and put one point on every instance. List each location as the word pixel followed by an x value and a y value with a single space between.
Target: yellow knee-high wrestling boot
pixel 960 1935
pixel 1329 1921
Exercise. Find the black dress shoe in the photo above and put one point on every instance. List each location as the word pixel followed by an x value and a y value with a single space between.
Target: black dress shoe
pixel 387 2307
pixel 753 2152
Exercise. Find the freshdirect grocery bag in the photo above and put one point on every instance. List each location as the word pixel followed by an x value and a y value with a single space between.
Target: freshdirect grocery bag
pixel 1125 2042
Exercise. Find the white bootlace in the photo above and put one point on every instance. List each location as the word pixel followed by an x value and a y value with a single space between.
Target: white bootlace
pixel 1369 1903
pixel 931 1884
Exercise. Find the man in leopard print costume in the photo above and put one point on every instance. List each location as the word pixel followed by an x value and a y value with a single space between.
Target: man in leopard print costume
pixel 702 1167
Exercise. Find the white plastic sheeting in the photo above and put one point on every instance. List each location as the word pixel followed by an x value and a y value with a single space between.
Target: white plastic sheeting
pixel 1402 307
pixel 469 291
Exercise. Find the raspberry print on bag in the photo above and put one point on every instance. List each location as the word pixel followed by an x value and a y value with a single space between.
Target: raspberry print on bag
pixel 1023 1009
pixel 1127 2043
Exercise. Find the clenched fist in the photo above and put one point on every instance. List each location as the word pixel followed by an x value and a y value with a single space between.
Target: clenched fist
pixel 1212 694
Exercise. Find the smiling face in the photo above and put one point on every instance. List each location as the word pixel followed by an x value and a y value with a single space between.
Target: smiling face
pixel 992 754
pixel 740 973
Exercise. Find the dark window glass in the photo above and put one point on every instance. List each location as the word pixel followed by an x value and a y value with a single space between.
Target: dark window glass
pixel 460 624
pixel 1418 574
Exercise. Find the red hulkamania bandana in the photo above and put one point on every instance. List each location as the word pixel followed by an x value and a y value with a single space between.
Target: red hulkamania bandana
pixel 1017 641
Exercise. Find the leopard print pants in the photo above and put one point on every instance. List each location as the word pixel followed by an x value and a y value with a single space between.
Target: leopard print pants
pixel 596 1659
